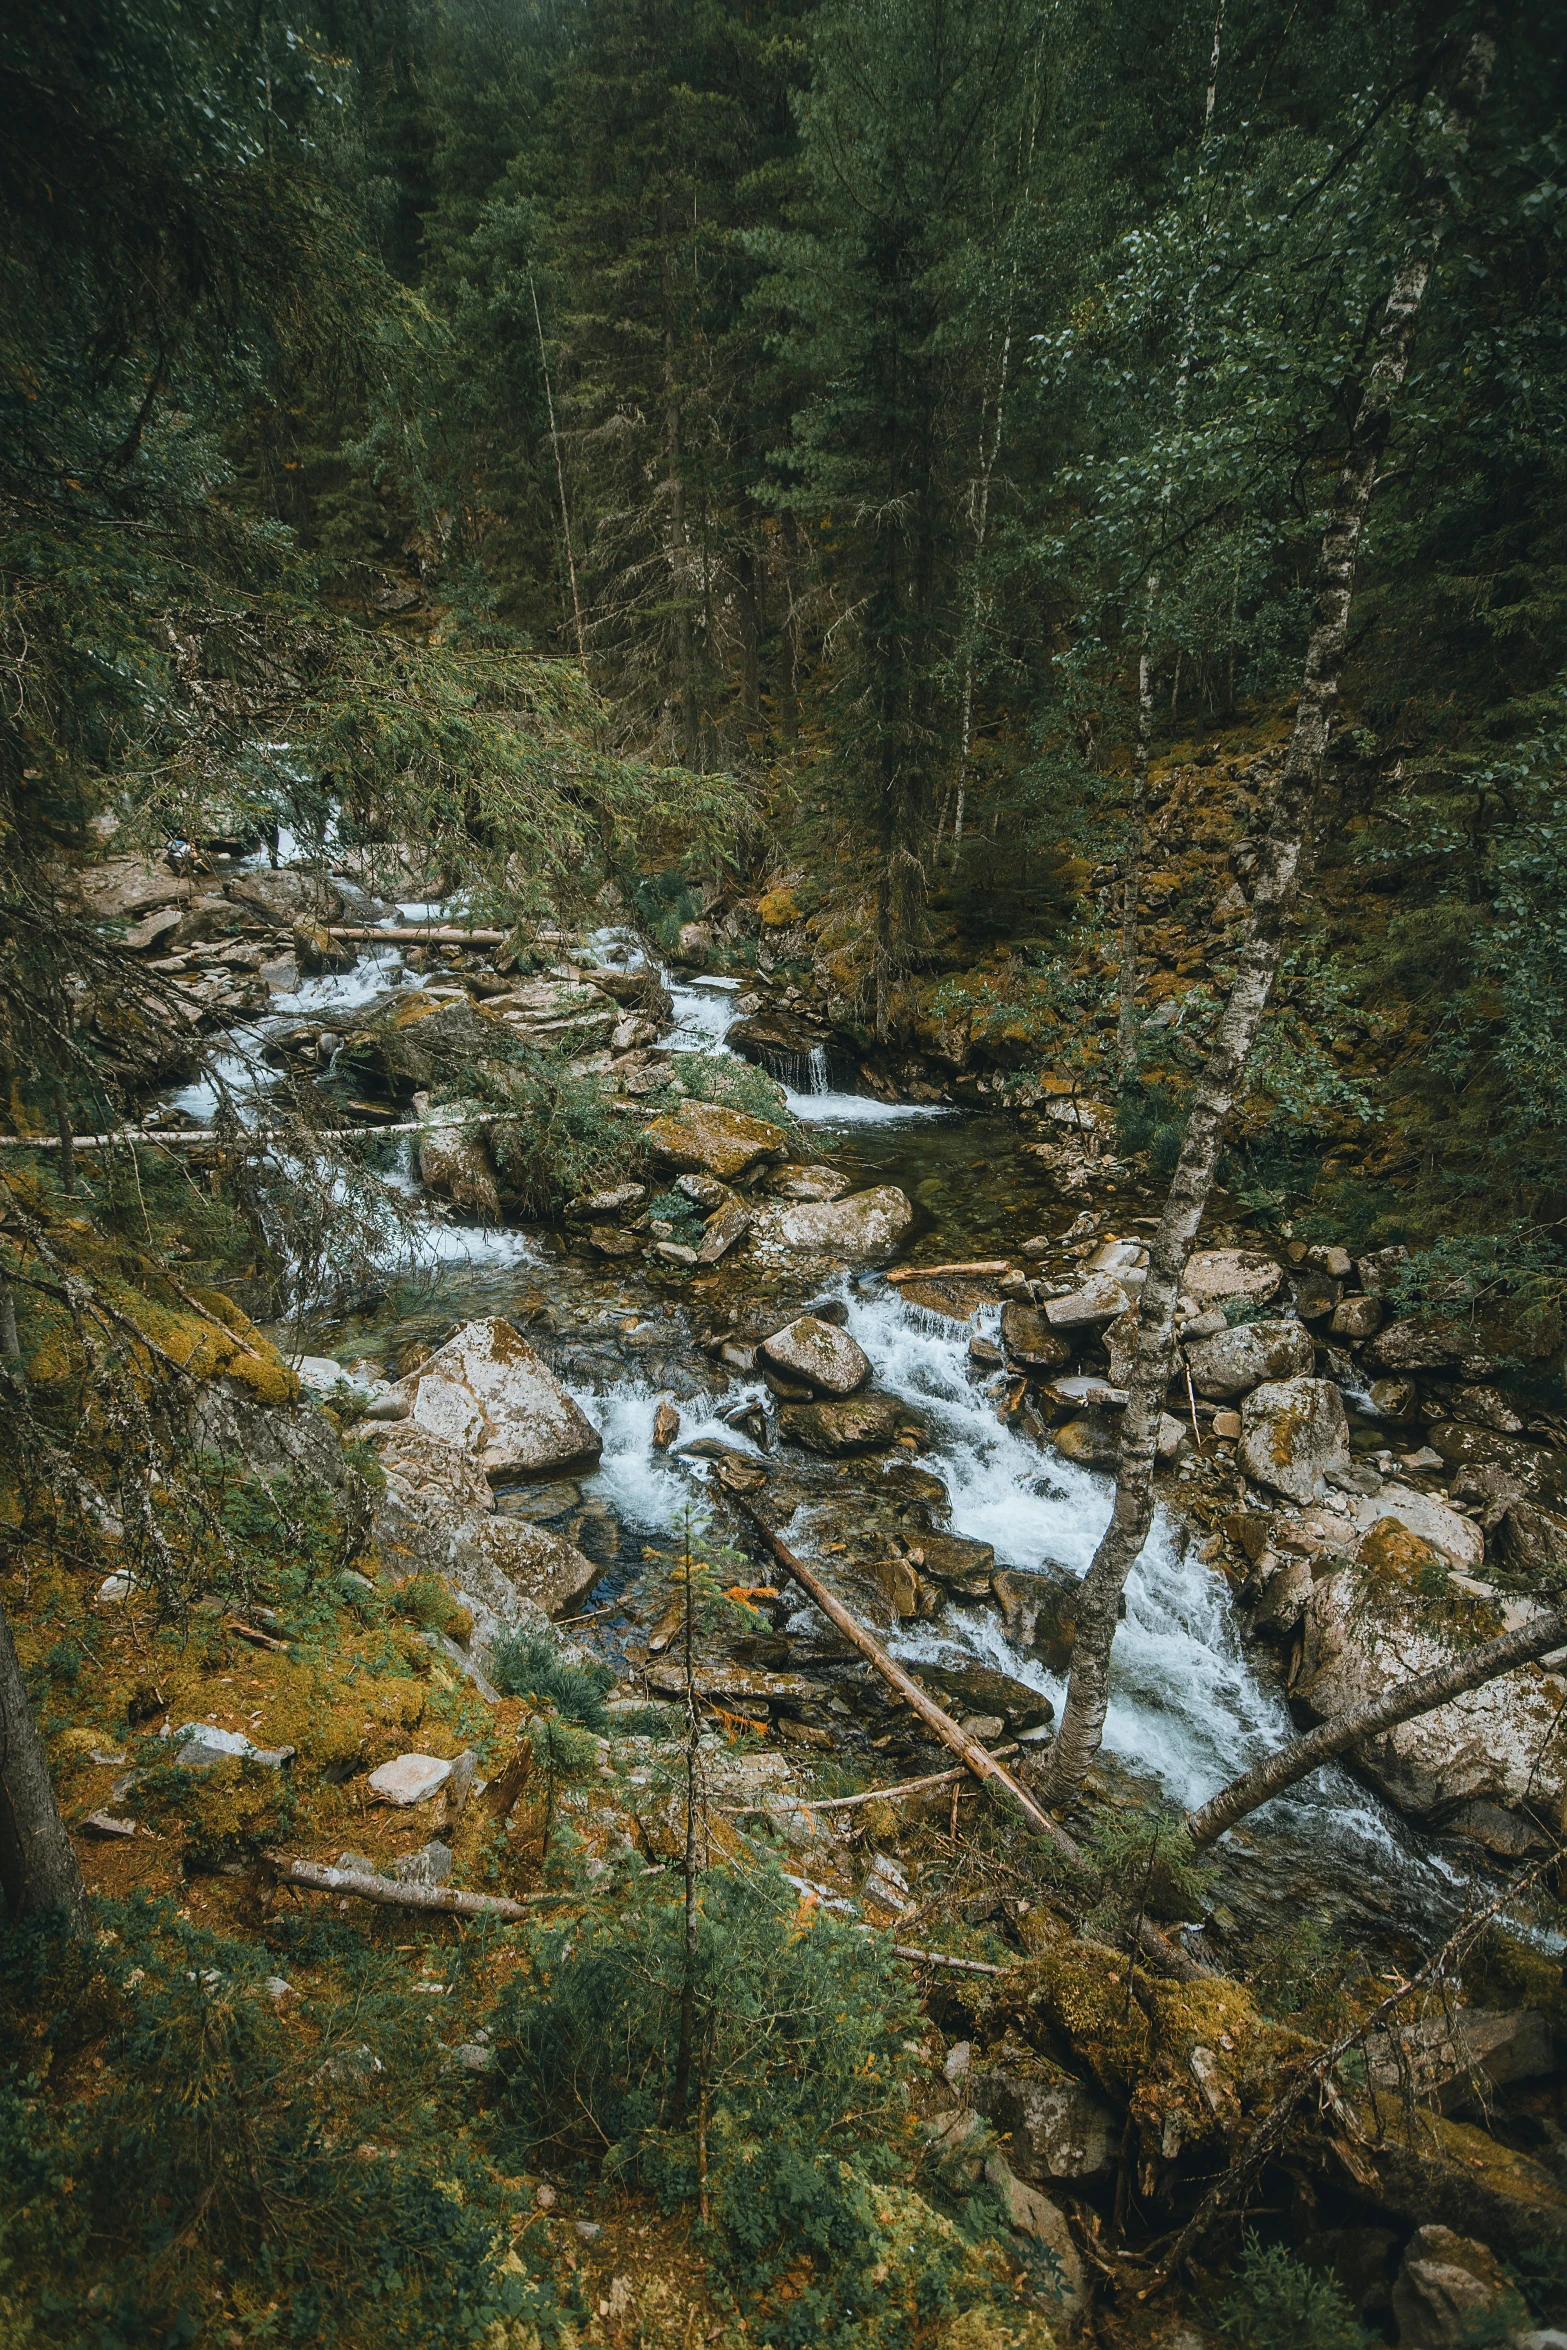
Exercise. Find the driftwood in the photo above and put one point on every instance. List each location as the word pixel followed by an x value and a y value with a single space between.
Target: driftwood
pixel 976 1266
pixel 389 1893
pixel 176 1137
pixel 974 1757
pixel 1422 1694
pixel 869 1795
pixel 411 932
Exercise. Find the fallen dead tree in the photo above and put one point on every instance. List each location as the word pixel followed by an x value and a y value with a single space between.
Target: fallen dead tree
pixel 1165 1954
pixel 1420 1695
pixel 391 1893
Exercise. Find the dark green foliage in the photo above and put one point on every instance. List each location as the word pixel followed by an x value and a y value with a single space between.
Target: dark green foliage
pixel 799 2030
pixel 209 2155
pixel 1276 2303
pixel 529 1664
pixel 556 1137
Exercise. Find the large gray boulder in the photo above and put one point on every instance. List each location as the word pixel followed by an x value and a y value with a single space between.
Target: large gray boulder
pixel 1368 1630
pixel 818 1355
pixel 1215 1274
pixel 1057 2128
pixel 864 1224
pixel 486 1393
pixel 1293 1432
pixel 523 1566
pixel 1235 1361
pixel 286 896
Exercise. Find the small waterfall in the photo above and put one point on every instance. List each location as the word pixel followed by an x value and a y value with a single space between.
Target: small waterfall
pixel 816 1070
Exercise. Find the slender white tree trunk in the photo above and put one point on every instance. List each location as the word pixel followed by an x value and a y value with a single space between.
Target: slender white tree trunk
pixel 1131 877
pixel 1421 1694
pixel 1280 869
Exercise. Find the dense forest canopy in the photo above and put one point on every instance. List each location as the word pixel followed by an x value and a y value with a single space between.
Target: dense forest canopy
pixel 811 424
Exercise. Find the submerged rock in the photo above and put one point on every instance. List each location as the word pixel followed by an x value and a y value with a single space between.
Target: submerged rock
pixel 487 1392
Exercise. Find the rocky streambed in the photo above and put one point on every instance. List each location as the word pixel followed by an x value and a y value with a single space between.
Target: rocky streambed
pixel 1347 1485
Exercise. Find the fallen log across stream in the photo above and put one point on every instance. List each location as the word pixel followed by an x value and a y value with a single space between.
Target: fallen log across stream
pixel 1421 1694
pixel 1165 1954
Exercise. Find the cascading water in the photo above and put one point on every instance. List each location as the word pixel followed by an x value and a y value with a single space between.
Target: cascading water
pixel 1188 1712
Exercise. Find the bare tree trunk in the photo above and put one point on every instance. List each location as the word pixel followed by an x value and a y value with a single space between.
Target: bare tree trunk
pixel 1420 1695
pixel 1131 879
pixel 987 466
pixel 682 2084
pixel 1280 869
pixel 1132 875
pixel 560 482
pixel 38 1870
pixel 676 552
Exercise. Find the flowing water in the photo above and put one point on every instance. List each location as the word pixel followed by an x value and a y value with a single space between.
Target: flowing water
pixel 1191 1706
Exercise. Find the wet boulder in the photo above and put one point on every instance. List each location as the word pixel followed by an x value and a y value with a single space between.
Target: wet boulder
pixel 1029 1339
pixel 842 1425
pixel 1054 2125
pixel 455 1162
pixel 860 1226
pixel 1367 1630
pixel 818 1356
pixel 702 1138
pixel 1294 1431
pixel 1037 1611
pixel 486 1392
pixel 965 1566
pixel 979 1689
pixel 1214 1275
pixel 1422 1343
pixel 1253 1353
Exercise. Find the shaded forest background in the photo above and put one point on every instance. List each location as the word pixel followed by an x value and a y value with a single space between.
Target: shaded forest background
pixel 776 440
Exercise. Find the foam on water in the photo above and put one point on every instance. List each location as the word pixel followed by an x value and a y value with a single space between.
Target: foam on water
pixel 1187 1708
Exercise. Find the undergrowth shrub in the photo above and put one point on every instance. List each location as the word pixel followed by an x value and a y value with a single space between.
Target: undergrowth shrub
pixel 734 1084
pixel 797 2073
pixel 1276 2303
pixel 556 1135
pixel 211 2173
pixel 529 1664
pixel 1148 1118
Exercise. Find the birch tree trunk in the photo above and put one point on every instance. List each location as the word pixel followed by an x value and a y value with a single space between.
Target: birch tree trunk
pixel 1132 876
pixel 1421 1694
pixel 38 1870
pixel 1280 869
